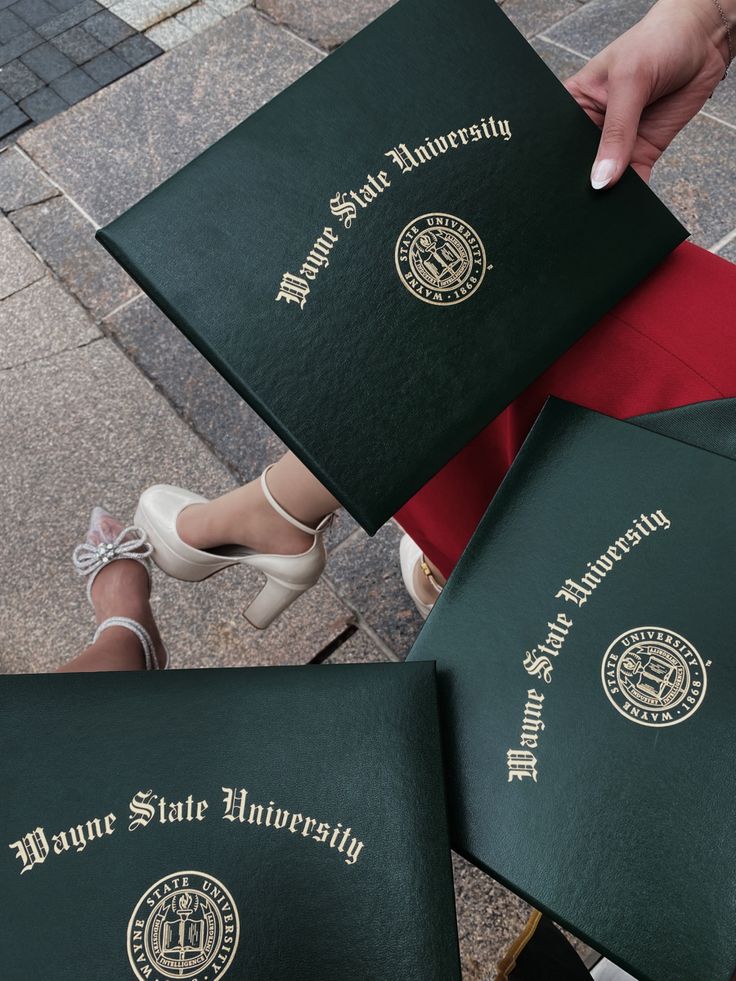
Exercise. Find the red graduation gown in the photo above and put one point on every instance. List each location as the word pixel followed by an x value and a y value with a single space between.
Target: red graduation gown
pixel 670 342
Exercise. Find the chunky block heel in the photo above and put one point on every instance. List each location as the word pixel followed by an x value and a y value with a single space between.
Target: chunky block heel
pixel 273 599
pixel 287 576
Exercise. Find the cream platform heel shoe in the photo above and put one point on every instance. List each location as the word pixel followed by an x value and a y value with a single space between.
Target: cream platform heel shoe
pixel 287 576
pixel 411 556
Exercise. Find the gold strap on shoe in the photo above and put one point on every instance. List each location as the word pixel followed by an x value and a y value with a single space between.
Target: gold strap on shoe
pixel 508 962
pixel 324 523
pixel 428 573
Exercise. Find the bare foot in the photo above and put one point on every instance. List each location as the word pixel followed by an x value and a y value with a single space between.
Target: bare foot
pixel 122 590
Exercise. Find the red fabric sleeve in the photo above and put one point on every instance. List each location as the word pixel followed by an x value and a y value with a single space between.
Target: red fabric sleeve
pixel 670 342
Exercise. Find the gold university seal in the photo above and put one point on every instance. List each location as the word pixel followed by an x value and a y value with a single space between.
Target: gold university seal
pixel 440 259
pixel 653 676
pixel 186 925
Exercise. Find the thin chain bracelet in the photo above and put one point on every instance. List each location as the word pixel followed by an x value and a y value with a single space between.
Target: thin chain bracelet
pixel 729 39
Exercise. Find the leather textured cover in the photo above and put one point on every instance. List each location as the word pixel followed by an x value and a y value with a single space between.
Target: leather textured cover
pixel 711 425
pixel 331 758
pixel 589 747
pixel 437 109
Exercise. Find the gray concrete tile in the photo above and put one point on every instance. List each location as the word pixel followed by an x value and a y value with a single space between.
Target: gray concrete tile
pixel 722 104
pixel 18 46
pixel 227 7
pixel 66 241
pixel 198 393
pixel 140 14
pixel 75 86
pixel 341 529
pixel 561 62
pixel 366 574
pixel 82 428
pixel 17 80
pixel 327 23
pixel 590 28
pixel 42 104
pixel 106 68
pixel 11 119
pixel 107 28
pixel 199 17
pixel 169 34
pixel 64 5
pixel 696 176
pixel 21 182
pixel 489 919
pixel 312 623
pixel 34 12
pixel 358 649
pixel 729 251
pixel 201 396
pixel 135 134
pixel 11 26
pixel 170 7
pixel 78 45
pixel 47 62
pixel 41 320
pixel 19 267
pixel 137 50
pixel 203 627
pixel 535 16
pixel 10 139
pixel 70 16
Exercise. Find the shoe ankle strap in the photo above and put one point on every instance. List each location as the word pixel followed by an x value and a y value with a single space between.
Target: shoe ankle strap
pixel 424 566
pixel 289 517
pixel 149 651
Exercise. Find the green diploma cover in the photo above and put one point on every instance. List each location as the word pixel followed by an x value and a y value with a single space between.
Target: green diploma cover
pixel 584 647
pixel 257 824
pixel 412 219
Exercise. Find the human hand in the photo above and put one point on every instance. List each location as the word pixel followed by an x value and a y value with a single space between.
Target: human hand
pixel 645 86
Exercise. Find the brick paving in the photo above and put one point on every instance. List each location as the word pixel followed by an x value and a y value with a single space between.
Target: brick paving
pixel 54 53
pixel 102 395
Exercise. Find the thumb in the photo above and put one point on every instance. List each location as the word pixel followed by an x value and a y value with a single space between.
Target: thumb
pixel 627 96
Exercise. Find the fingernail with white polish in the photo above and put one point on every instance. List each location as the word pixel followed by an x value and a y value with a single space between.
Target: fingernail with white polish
pixel 602 173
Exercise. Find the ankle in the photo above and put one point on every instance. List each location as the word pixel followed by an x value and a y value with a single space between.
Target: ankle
pixel 268 531
pixel 242 518
pixel 120 647
pixel 264 530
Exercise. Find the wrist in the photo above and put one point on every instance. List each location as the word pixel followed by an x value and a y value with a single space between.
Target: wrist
pixel 718 20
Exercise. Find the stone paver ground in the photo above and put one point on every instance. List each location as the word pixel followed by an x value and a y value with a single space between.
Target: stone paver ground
pixel 100 395
pixel 54 53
